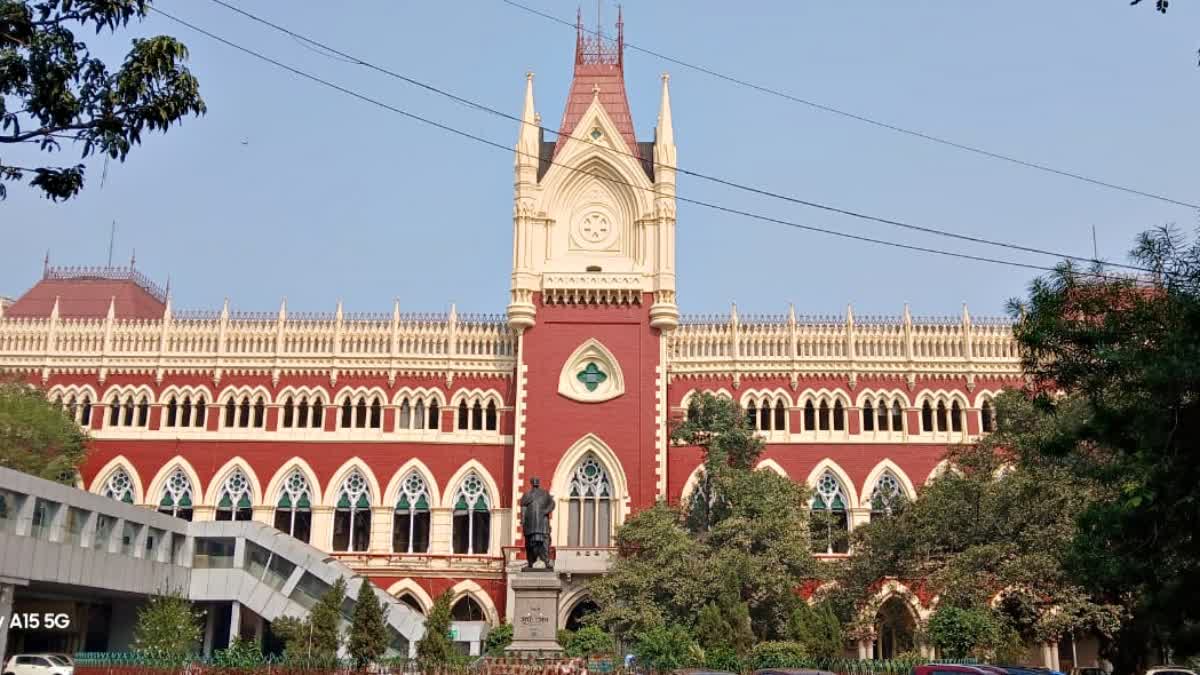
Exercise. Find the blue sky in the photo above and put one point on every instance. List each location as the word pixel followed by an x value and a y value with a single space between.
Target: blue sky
pixel 332 198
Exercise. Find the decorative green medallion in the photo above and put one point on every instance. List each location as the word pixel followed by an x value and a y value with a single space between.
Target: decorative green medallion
pixel 591 376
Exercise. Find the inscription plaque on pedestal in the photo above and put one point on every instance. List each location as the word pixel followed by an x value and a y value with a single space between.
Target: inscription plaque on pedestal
pixel 535 613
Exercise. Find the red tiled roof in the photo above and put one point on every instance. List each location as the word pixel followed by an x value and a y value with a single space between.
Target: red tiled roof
pixel 598 66
pixel 610 78
pixel 83 295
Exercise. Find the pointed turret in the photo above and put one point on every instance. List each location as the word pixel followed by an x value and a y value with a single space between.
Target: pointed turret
pixel 225 310
pixel 283 309
pixel 54 310
pixel 112 308
pixel 529 139
pixel 167 314
pixel 664 133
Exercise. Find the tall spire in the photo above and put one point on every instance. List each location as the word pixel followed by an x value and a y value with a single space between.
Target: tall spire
pixel 664 133
pixel 529 138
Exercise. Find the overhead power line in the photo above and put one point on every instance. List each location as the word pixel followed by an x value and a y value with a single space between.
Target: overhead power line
pixel 863 118
pixel 334 53
pixel 505 148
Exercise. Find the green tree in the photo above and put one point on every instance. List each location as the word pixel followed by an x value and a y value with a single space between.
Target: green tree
pixel 241 654
pixel 498 639
pixel 59 91
pixel 725 624
pixel 778 655
pixel 1120 360
pixel 316 638
pixel 818 629
pixel 587 641
pixel 167 629
pixel 435 648
pixel 665 648
pixel 36 437
pixel 960 633
pixel 368 627
pixel 993 524
pixel 744 533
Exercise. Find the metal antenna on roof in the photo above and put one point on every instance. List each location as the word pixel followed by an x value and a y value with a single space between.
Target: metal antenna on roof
pixel 112 234
pixel 1095 248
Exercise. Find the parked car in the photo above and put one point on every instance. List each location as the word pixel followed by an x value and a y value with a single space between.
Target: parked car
pixel 953 669
pixel 791 671
pixel 1169 670
pixel 37 664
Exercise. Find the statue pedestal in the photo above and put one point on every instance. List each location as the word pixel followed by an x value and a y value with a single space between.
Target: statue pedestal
pixel 535 614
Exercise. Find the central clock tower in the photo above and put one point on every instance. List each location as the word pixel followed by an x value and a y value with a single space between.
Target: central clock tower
pixel 592 296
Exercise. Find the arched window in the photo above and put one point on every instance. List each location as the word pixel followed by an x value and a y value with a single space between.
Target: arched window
pixel 986 421
pixel 293 511
pixel 472 517
pixel 839 416
pixel 897 417
pixel 823 416
pixel 347 413
pixel 810 417
pixel 581 609
pixel 289 413
pixel 490 416
pixel 360 413
pixel 830 526
pixel 172 412
pixel 589 511
pixel 85 412
pixel 752 415
pixel 780 416
pixel 114 411
pixel 177 496
pixel 234 502
pixel 435 421
pixel 260 413
pixel 926 417
pixel 868 413
pixel 230 413
pixel 352 515
pixel 410 526
pixel 406 421
pixel 318 414
pixel 408 599
pixel 185 412
pixel 882 416
pixel 887 497
pixel 941 416
pixel 119 486
pixel 764 416
pixel 143 412
pixel 244 412
pixel 477 416
pixel 467 609
pixel 464 415
pixel 956 417
pixel 376 414
pixel 127 413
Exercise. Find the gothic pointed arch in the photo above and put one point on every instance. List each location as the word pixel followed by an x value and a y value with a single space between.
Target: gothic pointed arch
pixel 591 374
pixel 588 453
pixel 293 493
pixel 473 498
pixel 103 478
pixel 571 604
pixel 827 465
pixel 468 588
pixel 392 493
pixel 212 494
pixel 338 478
pixel 772 465
pixel 455 482
pixel 887 467
pixel 689 485
pixel 176 489
pixel 832 500
pixel 276 487
pixel 354 492
pixel 411 588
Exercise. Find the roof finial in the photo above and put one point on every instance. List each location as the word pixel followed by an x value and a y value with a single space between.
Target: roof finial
pixel 133 259
pixel 167 291
pixel 46 264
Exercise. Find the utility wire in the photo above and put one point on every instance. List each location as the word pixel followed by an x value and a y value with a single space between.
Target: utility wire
pixel 344 57
pixel 862 118
pixel 709 205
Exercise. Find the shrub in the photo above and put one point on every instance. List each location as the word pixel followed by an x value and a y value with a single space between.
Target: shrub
pixel 960 633
pixel 498 639
pixel 587 641
pixel 723 658
pixel 778 655
pixel 664 648
pixel 240 654
pixel 435 648
pixel 167 629
pixel 818 629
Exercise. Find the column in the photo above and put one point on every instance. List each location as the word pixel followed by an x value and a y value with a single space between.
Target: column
pixel 864 650
pixel 210 624
pixel 6 605
pixel 235 621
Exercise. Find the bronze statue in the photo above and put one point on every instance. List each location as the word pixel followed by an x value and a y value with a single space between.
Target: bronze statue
pixel 536 507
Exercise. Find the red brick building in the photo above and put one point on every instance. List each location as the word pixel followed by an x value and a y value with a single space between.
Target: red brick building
pixel 399 442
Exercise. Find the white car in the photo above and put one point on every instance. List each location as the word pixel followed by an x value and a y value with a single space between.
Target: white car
pixel 38 664
pixel 1169 670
